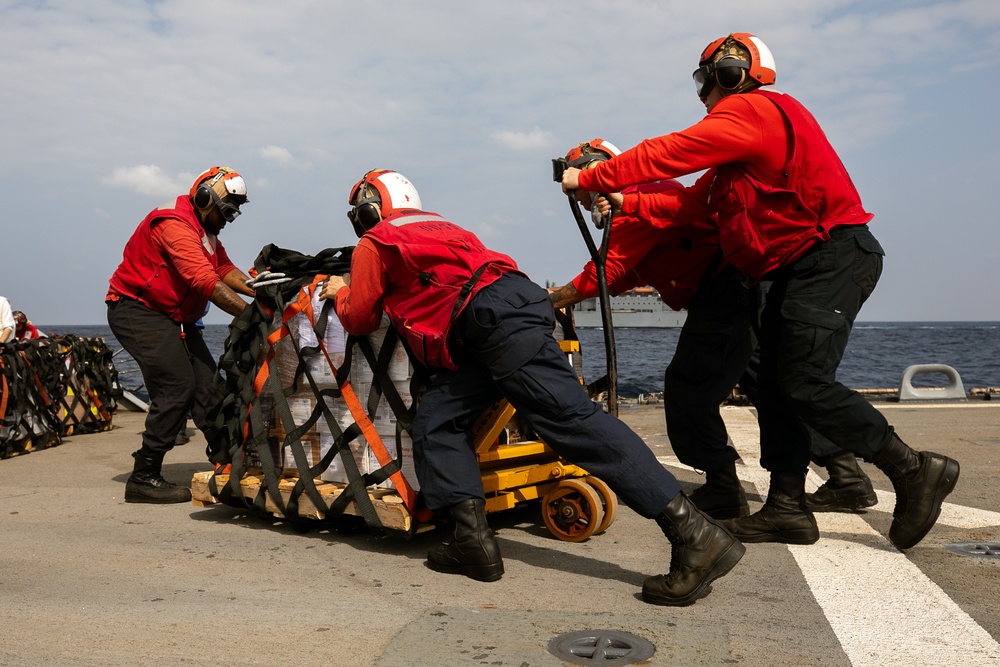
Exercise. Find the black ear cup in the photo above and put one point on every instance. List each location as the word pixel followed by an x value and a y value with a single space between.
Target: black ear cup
pixel 368 215
pixel 729 76
pixel 202 196
pixel 367 211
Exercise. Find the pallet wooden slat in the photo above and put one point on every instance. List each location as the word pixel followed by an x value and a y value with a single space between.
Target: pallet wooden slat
pixel 388 504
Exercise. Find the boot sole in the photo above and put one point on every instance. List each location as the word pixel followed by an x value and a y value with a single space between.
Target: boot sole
pixel 486 573
pixel 802 536
pixel 856 505
pixel 949 478
pixel 133 498
pixel 722 566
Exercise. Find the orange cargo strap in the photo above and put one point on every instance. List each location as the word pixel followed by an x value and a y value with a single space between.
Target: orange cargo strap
pixel 303 304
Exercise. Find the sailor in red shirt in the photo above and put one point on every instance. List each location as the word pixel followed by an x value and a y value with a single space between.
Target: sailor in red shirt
pixel 173 265
pixel 685 265
pixel 469 314
pixel 24 329
pixel 788 213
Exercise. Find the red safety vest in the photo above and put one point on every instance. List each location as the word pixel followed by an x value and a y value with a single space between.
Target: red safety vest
pixel 147 276
pixel 682 260
pixel 29 332
pixel 761 227
pixel 433 270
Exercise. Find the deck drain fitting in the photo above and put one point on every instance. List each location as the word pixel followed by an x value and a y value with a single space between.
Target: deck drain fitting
pixel 984 549
pixel 601 647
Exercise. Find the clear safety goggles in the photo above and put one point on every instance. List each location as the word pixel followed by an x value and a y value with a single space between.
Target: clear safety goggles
pixel 229 210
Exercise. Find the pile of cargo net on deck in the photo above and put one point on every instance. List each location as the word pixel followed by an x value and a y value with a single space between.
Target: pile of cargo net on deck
pixel 54 387
pixel 308 421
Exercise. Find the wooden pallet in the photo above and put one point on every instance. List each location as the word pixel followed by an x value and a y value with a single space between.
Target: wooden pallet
pixel 387 503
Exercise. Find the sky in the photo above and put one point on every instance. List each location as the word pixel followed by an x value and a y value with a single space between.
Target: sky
pixel 112 107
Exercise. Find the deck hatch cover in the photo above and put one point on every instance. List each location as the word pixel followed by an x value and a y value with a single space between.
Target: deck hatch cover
pixel 985 549
pixel 601 647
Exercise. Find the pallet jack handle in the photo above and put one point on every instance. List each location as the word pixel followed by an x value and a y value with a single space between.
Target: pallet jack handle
pixel 598 255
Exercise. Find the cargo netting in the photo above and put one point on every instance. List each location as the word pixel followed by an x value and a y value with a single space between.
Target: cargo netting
pixel 300 406
pixel 54 387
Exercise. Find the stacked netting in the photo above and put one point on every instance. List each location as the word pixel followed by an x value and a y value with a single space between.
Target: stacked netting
pixel 306 416
pixel 54 387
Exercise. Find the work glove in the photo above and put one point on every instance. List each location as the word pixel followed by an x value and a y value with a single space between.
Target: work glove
pixel 600 209
pixel 265 278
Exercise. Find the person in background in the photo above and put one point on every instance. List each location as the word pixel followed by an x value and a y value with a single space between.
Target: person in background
pixel 24 329
pixel 173 265
pixel 7 323
pixel 470 315
pixel 789 214
pixel 685 265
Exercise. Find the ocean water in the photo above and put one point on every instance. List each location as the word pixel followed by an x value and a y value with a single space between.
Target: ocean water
pixel 876 356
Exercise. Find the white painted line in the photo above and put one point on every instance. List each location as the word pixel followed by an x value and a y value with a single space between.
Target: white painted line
pixel 956 516
pixel 883 609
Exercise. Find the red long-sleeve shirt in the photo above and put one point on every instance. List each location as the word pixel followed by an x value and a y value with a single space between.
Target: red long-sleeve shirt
pixel 360 307
pixel 672 259
pixel 182 246
pixel 740 128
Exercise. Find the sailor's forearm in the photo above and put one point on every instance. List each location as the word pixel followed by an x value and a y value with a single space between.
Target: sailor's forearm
pixel 225 298
pixel 565 296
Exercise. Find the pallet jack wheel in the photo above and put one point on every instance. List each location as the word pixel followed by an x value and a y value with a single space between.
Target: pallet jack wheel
pixel 572 511
pixel 609 502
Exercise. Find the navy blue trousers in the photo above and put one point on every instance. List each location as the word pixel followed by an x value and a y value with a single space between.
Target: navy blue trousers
pixel 178 373
pixel 506 349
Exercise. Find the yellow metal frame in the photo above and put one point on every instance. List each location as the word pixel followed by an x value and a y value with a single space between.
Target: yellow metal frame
pixel 522 471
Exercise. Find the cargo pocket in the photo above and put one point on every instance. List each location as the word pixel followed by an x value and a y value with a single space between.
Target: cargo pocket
pixel 867 263
pixel 741 242
pixel 813 339
pixel 428 346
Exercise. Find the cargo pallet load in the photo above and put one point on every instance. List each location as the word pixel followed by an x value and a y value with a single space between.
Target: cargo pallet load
pixel 312 424
pixel 54 387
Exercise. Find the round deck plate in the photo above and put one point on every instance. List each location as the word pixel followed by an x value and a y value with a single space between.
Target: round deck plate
pixel 984 549
pixel 601 647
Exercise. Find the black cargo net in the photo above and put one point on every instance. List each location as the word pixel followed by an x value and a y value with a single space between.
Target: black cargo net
pixel 306 415
pixel 54 387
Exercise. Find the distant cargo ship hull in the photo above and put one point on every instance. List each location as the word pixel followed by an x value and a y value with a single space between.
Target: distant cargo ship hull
pixel 640 308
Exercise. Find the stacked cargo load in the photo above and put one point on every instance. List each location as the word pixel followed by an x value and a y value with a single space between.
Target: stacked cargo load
pixel 54 387
pixel 307 417
pixel 312 424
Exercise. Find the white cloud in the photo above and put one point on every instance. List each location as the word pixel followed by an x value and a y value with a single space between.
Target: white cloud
pixel 148 180
pixel 280 155
pixel 470 101
pixel 523 141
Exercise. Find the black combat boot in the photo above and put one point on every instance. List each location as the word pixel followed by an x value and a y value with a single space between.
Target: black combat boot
pixel 783 518
pixel 701 552
pixel 847 490
pixel 145 485
pixel 721 496
pixel 921 481
pixel 474 550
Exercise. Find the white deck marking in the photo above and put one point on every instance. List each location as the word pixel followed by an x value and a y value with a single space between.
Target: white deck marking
pixel 883 609
pixel 956 516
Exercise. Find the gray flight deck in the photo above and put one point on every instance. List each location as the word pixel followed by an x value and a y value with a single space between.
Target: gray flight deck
pixel 86 579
